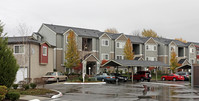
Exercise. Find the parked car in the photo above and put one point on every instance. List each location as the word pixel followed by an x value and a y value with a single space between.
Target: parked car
pixel 105 77
pixel 173 77
pixel 55 76
pixel 185 74
pixel 142 76
pixel 120 77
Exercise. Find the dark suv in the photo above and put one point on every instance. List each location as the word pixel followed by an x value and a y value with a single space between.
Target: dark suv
pixel 142 76
pixel 185 74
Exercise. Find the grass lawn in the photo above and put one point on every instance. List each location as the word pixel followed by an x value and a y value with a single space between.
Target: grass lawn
pixel 158 76
pixel 38 91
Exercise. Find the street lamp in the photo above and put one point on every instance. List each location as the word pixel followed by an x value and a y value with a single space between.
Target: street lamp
pixel 89 70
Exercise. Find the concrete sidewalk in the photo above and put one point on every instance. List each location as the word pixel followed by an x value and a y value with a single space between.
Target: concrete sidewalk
pixel 30 97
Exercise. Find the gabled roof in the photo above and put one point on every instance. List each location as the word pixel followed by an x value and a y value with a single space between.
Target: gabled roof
pixel 181 61
pixel 25 40
pixel 114 36
pixel 163 40
pixel 134 63
pixel 179 43
pixel 79 31
pixel 22 39
pixel 135 39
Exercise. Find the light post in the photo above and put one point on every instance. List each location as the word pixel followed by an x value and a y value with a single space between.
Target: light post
pixel 89 70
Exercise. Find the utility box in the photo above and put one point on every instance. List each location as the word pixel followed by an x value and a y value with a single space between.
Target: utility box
pixel 195 75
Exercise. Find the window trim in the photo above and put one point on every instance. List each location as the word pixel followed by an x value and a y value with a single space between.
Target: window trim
pixel 119 56
pixel 120 44
pixel 151 47
pixel 43 50
pixel 104 40
pixel 19 46
pixel 104 55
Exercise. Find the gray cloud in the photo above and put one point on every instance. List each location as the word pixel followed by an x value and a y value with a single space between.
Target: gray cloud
pixel 169 18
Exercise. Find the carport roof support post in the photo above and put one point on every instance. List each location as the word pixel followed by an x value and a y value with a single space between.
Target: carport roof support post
pixel 132 74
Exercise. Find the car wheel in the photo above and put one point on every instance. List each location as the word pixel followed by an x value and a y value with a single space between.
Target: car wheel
pixel 149 80
pixel 103 80
pixel 142 79
pixel 66 78
pixel 163 79
pixel 174 79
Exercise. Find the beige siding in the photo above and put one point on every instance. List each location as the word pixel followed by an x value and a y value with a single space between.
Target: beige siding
pixel 38 70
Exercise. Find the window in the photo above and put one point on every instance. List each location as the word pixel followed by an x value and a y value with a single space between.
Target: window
pixel 119 57
pixel 198 62
pixel 19 49
pixel 191 50
pixel 151 47
pixel 197 52
pixel 120 44
pixel 105 56
pixel 44 51
pixel 66 38
pixel 151 58
pixel 172 48
pixel 105 42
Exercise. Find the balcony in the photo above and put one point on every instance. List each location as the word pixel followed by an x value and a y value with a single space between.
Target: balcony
pixel 86 44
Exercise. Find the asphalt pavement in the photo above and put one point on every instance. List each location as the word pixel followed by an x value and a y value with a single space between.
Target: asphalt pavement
pixel 142 91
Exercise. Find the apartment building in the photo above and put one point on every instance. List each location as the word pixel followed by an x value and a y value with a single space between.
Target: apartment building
pixel 95 46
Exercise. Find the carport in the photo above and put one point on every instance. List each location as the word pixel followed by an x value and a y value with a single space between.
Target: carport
pixel 134 63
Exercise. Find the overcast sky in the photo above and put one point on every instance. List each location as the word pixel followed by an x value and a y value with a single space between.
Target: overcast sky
pixel 169 18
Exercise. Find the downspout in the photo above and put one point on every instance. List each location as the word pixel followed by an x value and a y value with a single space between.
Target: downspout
pixel 29 60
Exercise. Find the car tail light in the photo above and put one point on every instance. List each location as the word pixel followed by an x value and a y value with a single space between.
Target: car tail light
pixel 187 75
pixel 113 77
pixel 107 77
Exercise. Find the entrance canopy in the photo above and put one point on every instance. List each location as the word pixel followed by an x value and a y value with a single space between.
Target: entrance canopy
pixel 135 63
pixel 185 67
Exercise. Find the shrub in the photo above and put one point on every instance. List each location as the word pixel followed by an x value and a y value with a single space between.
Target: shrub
pixel 81 79
pixel 15 86
pixel 121 71
pixel 33 85
pixel 13 96
pixel 26 86
pixel 3 91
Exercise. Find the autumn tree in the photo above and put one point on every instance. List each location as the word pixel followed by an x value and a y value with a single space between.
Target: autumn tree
pixel 149 33
pixel 72 54
pixel 8 63
pixel 173 61
pixel 180 39
pixel 111 30
pixel 128 50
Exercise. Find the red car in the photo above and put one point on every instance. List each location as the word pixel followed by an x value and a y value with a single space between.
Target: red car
pixel 173 77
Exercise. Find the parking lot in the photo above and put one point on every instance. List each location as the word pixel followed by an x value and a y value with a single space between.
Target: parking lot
pixel 142 91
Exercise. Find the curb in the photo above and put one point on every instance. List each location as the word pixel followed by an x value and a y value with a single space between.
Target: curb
pixel 85 83
pixel 58 95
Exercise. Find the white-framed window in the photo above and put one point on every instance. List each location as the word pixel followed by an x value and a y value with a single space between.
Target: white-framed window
pixel 66 38
pixel 105 56
pixel 191 50
pixel 172 48
pixel 197 52
pixel 119 57
pixel 120 44
pixel 44 51
pixel 151 47
pixel 105 42
pixel 151 58
pixel 18 49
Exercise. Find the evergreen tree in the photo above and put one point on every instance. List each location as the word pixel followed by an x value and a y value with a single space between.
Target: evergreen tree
pixel 173 61
pixel 128 50
pixel 8 63
pixel 72 54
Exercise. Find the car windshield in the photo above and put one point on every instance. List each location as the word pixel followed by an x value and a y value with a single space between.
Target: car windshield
pixel 51 73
